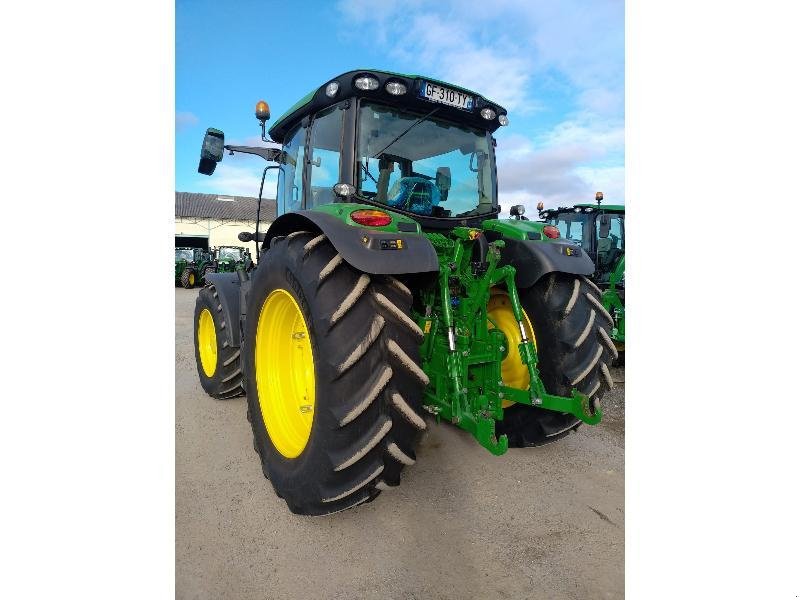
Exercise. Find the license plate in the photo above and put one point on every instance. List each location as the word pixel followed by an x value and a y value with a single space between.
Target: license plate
pixel 437 93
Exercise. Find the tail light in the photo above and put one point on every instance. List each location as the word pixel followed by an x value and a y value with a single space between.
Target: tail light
pixel 551 231
pixel 371 218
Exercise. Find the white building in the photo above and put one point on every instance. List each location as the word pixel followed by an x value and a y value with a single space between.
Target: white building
pixel 209 220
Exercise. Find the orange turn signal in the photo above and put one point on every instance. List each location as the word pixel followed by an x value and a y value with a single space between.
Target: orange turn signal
pixel 262 111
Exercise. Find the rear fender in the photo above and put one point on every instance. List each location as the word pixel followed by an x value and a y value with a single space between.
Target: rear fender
pixel 534 255
pixel 370 250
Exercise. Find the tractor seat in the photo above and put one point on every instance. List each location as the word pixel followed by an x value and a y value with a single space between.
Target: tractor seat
pixel 415 194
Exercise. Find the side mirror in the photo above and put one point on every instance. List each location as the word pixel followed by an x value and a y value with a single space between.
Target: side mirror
pixel 605 226
pixel 246 236
pixel 211 151
pixel 443 181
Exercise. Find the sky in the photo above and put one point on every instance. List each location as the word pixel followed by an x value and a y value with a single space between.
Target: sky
pixel 557 67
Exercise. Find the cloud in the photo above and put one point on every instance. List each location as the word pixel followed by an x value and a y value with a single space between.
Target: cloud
pixel 502 47
pixel 184 121
pixel 562 166
pixel 235 180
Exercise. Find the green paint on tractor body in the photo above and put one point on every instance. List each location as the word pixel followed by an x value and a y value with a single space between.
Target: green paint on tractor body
pixel 462 354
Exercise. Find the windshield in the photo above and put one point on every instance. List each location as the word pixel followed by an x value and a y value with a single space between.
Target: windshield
pixel 230 254
pixel 426 166
pixel 186 254
pixel 572 227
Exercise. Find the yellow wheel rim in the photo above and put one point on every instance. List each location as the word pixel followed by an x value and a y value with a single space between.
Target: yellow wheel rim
pixel 191 278
pixel 514 372
pixel 207 342
pixel 284 366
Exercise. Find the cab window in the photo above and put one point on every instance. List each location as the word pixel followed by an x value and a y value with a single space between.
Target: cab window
pixel 325 155
pixel 290 178
pixel 615 232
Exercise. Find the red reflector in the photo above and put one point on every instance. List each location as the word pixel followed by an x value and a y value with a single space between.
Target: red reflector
pixel 371 218
pixel 550 231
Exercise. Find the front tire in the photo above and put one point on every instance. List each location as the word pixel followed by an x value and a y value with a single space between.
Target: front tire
pixel 218 363
pixel 574 348
pixel 365 416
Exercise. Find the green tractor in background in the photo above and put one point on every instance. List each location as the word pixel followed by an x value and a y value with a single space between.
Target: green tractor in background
pixel 600 231
pixel 388 289
pixel 229 259
pixel 191 266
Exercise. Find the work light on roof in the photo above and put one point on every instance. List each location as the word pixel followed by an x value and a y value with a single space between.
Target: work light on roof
pixel 395 88
pixel 488 114
pixel 366 82
pixel 503 119
pixel 332 89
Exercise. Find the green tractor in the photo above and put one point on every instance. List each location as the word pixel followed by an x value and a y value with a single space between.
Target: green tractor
pixel 388 289
pixel 229 259
pixel 191 266
pixel 600 231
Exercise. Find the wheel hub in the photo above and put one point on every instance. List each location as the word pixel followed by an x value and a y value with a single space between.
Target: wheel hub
pixel 285 380
pixel 207 342
pixel 514 371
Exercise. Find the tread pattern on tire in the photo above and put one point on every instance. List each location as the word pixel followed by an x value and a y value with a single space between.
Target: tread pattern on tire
pixel 226 382
pixel 572 332
pixel 369 385
pixel 185 278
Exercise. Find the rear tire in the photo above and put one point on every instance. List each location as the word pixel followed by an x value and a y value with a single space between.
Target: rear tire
pixel 188 278
pixel 575 349
pixel 368 384
pixel 225 378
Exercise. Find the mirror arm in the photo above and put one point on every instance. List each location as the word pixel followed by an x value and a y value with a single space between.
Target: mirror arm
pixel 268 154
pixel 258 206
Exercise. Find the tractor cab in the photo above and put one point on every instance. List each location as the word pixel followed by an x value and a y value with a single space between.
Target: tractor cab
pixel 187 255
pixel 227 259
pixel 229 254
pixel 407 143
pixel 599 229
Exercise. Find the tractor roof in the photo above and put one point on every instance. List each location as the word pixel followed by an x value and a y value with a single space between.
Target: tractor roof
pixel 605 207
pixel 317 99
pixel 582 208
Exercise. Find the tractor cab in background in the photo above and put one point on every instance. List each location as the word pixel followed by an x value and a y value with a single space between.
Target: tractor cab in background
pixel 599 229
pixel 228 259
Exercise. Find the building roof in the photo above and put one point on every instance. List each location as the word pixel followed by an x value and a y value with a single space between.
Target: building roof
pixel 228 208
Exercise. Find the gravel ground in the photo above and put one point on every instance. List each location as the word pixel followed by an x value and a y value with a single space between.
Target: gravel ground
pixel 534 523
